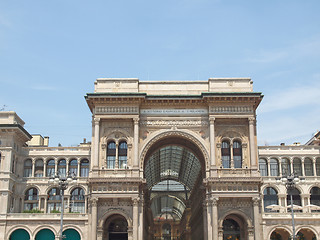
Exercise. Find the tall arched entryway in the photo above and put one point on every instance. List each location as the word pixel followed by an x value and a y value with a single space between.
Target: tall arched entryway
pixel 235 227
pixel 115 228
pixel 174 170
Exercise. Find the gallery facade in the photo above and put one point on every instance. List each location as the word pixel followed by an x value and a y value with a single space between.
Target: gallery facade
pixel 167 160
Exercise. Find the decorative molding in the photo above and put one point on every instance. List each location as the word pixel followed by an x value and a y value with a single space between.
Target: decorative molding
pixel 175 133
pixel 117 110
pixel 171 123
pixel 177 111
pixel 231 109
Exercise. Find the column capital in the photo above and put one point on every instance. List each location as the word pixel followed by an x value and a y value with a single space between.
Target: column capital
pixel 96 120
pixel 256 201
pixel 212 119
pixel 136 120
pixel 94 201
pixel 215 201
pixel 252 120
pixel 135 201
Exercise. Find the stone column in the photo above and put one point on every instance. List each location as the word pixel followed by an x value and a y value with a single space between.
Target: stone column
pixel 215 230
pixel 78 170
pixel 136 143
pixel 252 142
pixel 257 228
pixel 291 166
pixel 209 215
pixel 212 142
pixel 33 167
pixel 45 168
pixel 96 142
pixel 135 213
pixel 268 166
pixel 205 220
pixel 141 220
pixel 314 167
pixel 302 167
pixel 94 218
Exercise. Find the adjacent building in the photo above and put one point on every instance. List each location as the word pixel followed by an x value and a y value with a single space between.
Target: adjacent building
pixel 167 160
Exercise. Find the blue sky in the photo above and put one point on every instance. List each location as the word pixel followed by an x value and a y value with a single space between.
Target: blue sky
pixel 51 52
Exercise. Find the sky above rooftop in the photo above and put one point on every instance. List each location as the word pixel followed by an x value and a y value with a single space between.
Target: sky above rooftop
pixel 51 52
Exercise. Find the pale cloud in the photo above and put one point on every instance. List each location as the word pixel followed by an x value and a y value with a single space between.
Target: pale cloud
pixel 291 98
pixel 309 47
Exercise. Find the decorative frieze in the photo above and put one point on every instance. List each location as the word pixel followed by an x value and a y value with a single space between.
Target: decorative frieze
pixel 117 110
pixel 231 109
pixel 178 111
pixel 172 123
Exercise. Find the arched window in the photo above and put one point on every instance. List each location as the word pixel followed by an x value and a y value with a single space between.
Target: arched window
pixel 237 154
pixel 270 197
pixel 274 167
pixel 315 196
pixel 318 166
pixel 285 167
pixel 77 201
pixel 31 199
pixel 38 172
pixel 295 197
pixel 73 167
pixel 263 167
pixel 297 168
pixel 308 167
pixel 84 168
pixel 62 167
pixel 123 149
pixel 225 154
pixel 111 155
pixel 27 169
pixel 50 168
pixel 54 200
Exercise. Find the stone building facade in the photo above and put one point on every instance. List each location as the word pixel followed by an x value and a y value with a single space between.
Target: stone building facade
pixel 167 160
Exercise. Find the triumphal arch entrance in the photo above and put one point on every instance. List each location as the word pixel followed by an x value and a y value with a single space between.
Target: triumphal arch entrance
pixel 174 160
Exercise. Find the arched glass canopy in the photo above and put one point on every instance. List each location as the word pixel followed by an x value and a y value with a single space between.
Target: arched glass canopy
pixel 171 173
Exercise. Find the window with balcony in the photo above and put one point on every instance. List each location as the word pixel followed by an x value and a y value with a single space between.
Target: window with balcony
pixel 84 168
pixel 31 199
pixel 38 171
pixel 270 197
pixel 73 167
pixel 237 154
pixel 263 167
pixel 225 154
pixel 123 150
pixel 27 168
pixel 111 155
pixel 54 200
pixel 62 167
pixel 77 201
pixel 50 168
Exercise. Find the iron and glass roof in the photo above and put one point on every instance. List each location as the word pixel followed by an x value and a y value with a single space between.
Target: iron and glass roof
pixel 171 173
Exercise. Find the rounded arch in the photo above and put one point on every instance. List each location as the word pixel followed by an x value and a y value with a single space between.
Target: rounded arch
pixel 244 217
pixel 156 139
pixel 114 212
pixel 110 136
pixel 43 234
pixel 31 186
pixel 284 228
pixel 50 227
pixel 74 227
pixel 73 187
pixel 309 228
pixel 276 187
pixel 23 227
